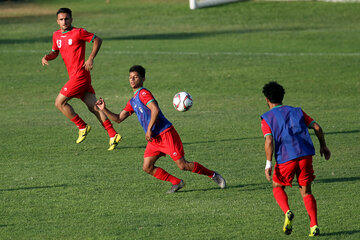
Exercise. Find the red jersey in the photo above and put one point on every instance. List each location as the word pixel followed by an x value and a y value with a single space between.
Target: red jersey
pixel 71 45
pixel 267 130
pixel 145 97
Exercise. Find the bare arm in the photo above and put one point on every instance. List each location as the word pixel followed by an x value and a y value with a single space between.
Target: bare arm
pixel 51 56
pixel 112 116
pixel 154 108
pixel 95 49
pixel 269 149
pixel 320 135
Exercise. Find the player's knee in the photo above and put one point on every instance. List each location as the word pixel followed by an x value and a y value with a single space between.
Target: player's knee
pixel 92 109
pixel 147 169
pixel 59 105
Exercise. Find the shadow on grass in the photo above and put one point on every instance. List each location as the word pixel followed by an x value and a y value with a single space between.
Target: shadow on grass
pixel 157 36
pixel 222 140
pixel 332 180
pixel 340 233
pixel 190 143
pixel 32 188
pixel 339 132
pixel 241 187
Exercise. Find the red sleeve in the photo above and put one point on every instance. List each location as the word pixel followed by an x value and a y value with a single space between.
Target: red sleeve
pixel 129 108
pixel 145 96
pixel 54 47
pixel 265 128
pixel 86 36
pixel 308 119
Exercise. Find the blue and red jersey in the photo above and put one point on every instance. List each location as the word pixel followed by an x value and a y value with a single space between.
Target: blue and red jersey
pixel 289 127
pixel 71 45
pixel 138 104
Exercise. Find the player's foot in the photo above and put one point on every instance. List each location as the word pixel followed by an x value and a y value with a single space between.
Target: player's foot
pixel 114 142
pixel 219 180
pixel 289 216
pixel 83 133
pixel 314 231
pixel 176 187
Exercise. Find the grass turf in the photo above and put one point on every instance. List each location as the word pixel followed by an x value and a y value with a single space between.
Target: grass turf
pixel 52 188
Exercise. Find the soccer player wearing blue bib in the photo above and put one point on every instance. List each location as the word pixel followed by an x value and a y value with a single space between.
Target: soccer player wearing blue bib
pixel 285 129
pixel 160 134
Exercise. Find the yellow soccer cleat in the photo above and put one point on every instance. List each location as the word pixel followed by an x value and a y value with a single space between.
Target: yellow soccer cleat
pixel 314 231
pixel 114 141
pixel 287 228
pixel 83 133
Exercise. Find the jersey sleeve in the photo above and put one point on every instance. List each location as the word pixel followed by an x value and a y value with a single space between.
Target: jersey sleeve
pixel 146 97
pixel 265 128
pixel 308 120
pixel 54 47
pixel 86 36
pixel 129 108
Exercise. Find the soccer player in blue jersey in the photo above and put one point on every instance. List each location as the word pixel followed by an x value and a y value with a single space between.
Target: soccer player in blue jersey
pixel 160 134
pixel 286 135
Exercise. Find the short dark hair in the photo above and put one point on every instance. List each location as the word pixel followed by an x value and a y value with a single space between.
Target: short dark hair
pixel 139 69
pixel 64 10
pixel 274 92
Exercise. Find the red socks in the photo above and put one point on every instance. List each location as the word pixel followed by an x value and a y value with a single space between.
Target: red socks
pixel 281 198
pixel 161 174
pixel 200 169
pixel 309 202
pixel 310 205
pixel 109 128
pixel 78 122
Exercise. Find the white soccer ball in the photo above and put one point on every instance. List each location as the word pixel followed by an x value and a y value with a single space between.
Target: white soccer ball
pixel 182 101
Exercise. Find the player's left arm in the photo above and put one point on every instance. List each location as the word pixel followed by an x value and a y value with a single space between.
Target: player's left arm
pixel 154 108
pixel 324 150
pixel 88 65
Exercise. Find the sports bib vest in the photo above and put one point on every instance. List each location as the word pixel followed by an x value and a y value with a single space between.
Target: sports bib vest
pixel 290 134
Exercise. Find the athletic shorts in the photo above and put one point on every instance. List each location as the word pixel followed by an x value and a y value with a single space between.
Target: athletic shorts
pixel 167 143
pixel 284 173
pixel 77 89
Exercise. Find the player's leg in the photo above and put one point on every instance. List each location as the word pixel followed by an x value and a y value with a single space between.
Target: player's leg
pixel 283 176
pixel 90 99
pixel 159 173
pixel 176 150
pixel 305 178
pixel 62 104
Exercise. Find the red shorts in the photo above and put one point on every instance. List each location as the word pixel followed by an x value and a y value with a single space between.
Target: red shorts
pixel 284 173
pixel 168 142
pixel 77 89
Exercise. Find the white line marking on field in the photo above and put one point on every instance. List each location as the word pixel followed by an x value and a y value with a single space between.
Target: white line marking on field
pixel 276 54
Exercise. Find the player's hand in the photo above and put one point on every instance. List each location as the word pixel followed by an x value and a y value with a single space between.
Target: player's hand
pixel 100 103
pixel 148 136
pixel 268 174
pixel 326 152
pixel 88 65
pixel 44 61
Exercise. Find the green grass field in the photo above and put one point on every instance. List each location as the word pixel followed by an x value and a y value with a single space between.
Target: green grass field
pixel 52 188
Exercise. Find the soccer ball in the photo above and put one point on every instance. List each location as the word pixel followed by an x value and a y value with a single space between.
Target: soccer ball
pixel 182 101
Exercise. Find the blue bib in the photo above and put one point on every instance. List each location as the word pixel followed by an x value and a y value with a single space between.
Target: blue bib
pixel 144 115
pixel 290 133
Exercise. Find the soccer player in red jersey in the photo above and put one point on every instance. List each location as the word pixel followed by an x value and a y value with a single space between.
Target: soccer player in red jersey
pixel 70 42
pixel 285 129
pixel 160 134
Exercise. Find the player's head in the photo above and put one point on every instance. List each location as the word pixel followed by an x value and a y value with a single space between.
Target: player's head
pixel 64 18
pixel 274 92
pixel 136 76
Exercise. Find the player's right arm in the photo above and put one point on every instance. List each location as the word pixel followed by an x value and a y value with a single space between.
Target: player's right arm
pixel 48 57
pixel 112 116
